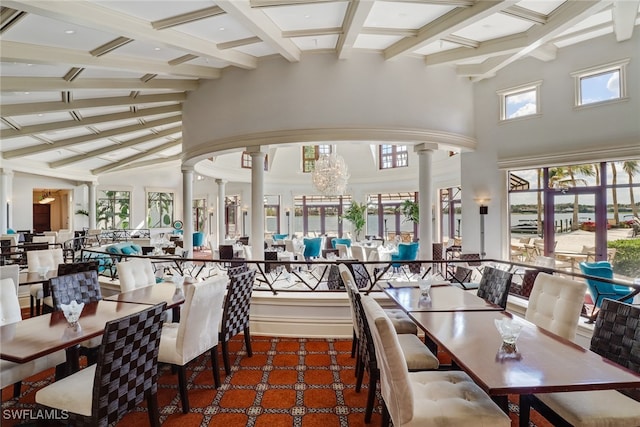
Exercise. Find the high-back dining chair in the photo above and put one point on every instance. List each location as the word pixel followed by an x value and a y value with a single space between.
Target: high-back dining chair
pixel 135 273
pixel 10 372
pixel 196 333
pixel 555 304
pixel 50 258
pixel 126 374
pixel 235 316
pixel 616 336
pixel 600 290
pixel 494 285
pixel 446 398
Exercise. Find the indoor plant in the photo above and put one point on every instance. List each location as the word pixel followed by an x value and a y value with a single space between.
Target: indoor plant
pixel 410 210
pixel 356 215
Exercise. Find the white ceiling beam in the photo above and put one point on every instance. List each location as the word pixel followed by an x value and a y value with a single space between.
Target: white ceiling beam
pixel 525 14
pixel 546 53
pixel 150 162
pixel 237 43
pixel 39 84
pixel 310 32
pixel 37 54
pixel 446 25
pixel 473 70
pixel 624 18
pixel 565 16
pixel 461 41
pixel 67 142
pixel 53 126
pixel 114 147
pixel 379 31
pixel 127 161
pixel 354 20
pixel 258 23
pixel 273 3
pixel 47 107
pixel 501 46
pixel 185 18
pixel 91 15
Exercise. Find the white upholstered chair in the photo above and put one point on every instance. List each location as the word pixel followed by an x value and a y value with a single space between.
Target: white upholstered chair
pixel 446 398
pixel 135 273
pixel 344 251
pixel 14 373
pixel 11 271
pixel 197 331
pixel 44 239
pixel 555 304
pixel 50 258
pixel 359 252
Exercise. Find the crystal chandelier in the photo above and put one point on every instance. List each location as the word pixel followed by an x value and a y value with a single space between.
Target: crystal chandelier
pixel 330 175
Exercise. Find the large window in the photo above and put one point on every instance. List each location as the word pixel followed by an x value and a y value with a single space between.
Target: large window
pixel 112 209
pixel 520 101
pixel 272 214
pixel 385 219
pixel 393 156
pixel 199 214
pixel 159 209
pixel 319 215
pixel 311 153
pixel 600 84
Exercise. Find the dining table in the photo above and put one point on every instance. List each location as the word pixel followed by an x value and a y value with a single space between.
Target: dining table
pixel 33 277
pixel 440 298
pixel 151 295
pixel 540 361
pixel 39 336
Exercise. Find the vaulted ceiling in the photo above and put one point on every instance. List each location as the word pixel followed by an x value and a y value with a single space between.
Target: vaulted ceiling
pixel 90 87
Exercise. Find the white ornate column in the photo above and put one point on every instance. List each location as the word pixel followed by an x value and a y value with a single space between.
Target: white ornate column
pixel 257 200
pixel 187 215
pixel 92 204
pixel 6 194
pixel 221 210
pixel 425 188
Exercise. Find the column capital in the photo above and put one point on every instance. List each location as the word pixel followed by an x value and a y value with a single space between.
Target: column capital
pixel 425 147
pixel 187 168
pixel 220 181
pixel 6 171
pixel 255 150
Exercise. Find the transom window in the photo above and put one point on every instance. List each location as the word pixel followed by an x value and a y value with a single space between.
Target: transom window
pixel 520 101
pixel 393 156
pixel 311 153
pixel 246 161
pixel 600 84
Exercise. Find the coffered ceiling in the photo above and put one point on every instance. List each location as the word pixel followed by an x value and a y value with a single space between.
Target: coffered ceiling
pixel 90 87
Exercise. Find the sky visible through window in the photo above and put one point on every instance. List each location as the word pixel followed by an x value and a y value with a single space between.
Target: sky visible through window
pixel 520 104
pixel 600 87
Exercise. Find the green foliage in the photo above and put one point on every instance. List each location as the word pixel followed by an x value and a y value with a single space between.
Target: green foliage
pixel 82 212
pixel 356 214
pixel 626 261
pixel 411 211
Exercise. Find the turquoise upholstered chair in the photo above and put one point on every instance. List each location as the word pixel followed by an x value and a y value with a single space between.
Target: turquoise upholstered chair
pixel 337 241
pixel 601 290
pixel 312 247
pixel 198 239
pixel 279 237
pixel 406 252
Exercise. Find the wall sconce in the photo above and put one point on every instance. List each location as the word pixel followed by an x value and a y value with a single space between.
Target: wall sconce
pixel 287 212
pixel 484 210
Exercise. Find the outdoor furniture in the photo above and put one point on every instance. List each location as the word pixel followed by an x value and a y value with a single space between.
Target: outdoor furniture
pixel 197 332
pixel 600 290
pixel 615 337
pixel 102 393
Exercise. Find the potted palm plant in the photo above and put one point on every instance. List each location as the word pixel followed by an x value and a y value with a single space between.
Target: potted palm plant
pixel 356 215
pixel 411 211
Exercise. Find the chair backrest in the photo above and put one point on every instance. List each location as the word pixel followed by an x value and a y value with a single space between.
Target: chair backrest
pixel 366 347
pixel 289 246
pixel 77 267
pixel 235 317
pixel 394 377
pixel 235 270
pixel 127 366
pixel 598 289
pixel 438 251
pixel 616 336
pixel 248 252
pixel 44 258
pixel 494 285
pixel 312 247
pixel 244 240
pixel 407 251
pixel 9 303
pixel 81 287
pixel 347 279
pixel 336 241
pixel 555 304
pixel 11 272
pixel 225 251
pixel 135 273
pixel 200 317
pixel 462 274
pixel 344 251
pixel 44 239
pixel 14 238
pixel 359 253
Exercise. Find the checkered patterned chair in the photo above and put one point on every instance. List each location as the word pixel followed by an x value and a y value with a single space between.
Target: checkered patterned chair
pixel 235 316
pixel 494 286
pixel 81 287
pixel 126 374
pixel 196 333
pixel 616 336
pixel 234 271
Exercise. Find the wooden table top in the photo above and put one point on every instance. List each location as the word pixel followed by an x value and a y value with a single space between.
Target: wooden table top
pixel 543 363
pixel 32 277
pixel 152 295
pixel 38 336
pixel 441 298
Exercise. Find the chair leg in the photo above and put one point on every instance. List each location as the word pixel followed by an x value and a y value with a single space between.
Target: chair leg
pixel 360 375
pixel 214 366
pixel 354 341
pixel 225 357
pixel 371 395
pixel 32 303
pixel 525 409
pixel 16 389
pixel 247 341
pixel 385 415
pixel 182 384
pixel 152 409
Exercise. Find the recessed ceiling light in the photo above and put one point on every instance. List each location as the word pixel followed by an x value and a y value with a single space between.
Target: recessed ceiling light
pixel 40 114
pixel 27 93
pixel 69 31
pixel 156 48
pixel 307 16
pixel 221 29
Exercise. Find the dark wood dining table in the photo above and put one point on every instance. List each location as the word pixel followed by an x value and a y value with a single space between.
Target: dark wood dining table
pixel 441 298
pixel 541 363
pixel 38 336
pixel 152 295
pixel 32 277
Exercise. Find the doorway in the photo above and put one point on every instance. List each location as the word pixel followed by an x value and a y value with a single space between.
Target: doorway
pixel 41 217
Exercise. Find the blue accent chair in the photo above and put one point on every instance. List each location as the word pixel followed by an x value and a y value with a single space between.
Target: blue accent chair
pixel 279 237
pixel 337 241
pixel 198 239
pixel 406 252
pixel 601 290
pixel 312 247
